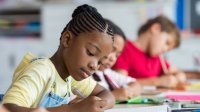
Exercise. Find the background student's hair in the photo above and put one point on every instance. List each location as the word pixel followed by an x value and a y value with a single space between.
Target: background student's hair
pixel 166 25
pixel 86 18
pixel 116 30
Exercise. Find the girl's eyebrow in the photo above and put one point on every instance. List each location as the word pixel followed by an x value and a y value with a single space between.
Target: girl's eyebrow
pixel 95 46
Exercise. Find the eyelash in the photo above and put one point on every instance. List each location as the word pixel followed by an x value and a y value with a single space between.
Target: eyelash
pixel 89 53
pixel 100 63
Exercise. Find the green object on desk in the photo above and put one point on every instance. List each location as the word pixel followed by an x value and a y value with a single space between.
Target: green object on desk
pixel 141 100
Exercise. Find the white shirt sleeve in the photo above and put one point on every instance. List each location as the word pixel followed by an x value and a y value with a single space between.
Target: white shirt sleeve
pixel 120 79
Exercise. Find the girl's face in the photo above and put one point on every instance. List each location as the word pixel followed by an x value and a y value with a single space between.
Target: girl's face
pixel 160 42
pixel 83 54
pixel 112 57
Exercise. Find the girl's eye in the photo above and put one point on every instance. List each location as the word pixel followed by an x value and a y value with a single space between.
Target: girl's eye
pixel 89 53
pixel 100 63
pixel 117 55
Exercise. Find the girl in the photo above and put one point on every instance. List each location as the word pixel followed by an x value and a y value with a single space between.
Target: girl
pixel 41 82
pixel 112 80
pixel 141 58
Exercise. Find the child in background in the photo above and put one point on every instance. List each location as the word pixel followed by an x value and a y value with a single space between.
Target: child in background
pixel 141 58
pixel 42 82
pixel 120 92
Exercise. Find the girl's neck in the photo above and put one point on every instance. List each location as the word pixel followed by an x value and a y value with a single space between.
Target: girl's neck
pixel 58 62
pixel 142 42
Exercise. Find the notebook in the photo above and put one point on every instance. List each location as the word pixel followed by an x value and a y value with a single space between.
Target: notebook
pixel 162 108
pixel 142 100
pixel 182 96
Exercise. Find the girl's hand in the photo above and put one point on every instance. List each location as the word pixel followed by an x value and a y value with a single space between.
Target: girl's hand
pixel 89 104
pixel 168 81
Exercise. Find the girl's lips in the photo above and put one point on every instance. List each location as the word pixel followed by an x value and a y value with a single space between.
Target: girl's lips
pixel 85 73
pixel 106 66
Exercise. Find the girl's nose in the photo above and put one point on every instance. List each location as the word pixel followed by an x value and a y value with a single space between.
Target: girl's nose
pixel 165 49
pixel 112 57
pixel 93 66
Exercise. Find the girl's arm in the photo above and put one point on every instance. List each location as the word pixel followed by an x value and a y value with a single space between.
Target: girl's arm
pixel 16 108
pixel 104 94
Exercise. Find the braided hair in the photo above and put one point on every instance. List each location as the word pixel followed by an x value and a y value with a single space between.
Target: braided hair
pixel 116 29
pixel 86 18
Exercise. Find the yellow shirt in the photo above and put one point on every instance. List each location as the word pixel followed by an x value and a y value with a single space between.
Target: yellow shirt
pixel 33 80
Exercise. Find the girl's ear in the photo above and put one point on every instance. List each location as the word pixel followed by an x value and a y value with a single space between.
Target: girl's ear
pixel 155 28
pixel 66 39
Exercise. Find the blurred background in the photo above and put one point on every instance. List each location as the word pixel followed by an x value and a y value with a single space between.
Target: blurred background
pixel 35 26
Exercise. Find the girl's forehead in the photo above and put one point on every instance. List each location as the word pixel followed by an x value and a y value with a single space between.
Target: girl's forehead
pixel 99 38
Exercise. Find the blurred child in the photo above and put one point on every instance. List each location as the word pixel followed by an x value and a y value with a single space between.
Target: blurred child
pixel 141 58
pixel 41 82
pixel 122 87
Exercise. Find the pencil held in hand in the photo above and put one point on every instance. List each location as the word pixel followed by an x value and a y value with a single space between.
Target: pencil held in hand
pixel 78 93
pixel 163 64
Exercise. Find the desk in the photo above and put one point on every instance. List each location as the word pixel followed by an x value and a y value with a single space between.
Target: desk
pixel 148 107
pixel 133 108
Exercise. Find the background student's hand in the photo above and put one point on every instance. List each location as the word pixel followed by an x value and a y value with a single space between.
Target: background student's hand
pixel 180 77
pixel 136 88
pixel 89 104
pixel 125 93
pixel 168 81
pixel 122 94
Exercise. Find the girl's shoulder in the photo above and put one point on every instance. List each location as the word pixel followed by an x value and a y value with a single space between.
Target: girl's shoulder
pixel 32 64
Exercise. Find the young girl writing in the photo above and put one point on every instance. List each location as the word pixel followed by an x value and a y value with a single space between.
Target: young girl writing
pixel 122 87
pixel 141 58
pixel 41 82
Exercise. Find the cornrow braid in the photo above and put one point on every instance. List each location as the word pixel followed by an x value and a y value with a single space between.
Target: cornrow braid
pixel 86 18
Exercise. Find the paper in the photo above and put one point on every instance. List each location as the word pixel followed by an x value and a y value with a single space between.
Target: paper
pixel 162 108
pixel 182 96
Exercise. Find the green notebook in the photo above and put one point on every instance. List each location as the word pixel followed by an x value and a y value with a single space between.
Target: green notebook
pixel 142 100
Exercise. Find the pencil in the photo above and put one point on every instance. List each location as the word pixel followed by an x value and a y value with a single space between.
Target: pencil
pixel 163 64
pixel 77 92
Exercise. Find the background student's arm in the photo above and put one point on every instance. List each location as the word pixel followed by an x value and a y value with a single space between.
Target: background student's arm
pixel 122 71
pixel 162 81
pixel 192 74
